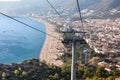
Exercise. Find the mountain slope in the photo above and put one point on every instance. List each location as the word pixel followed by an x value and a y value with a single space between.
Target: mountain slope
pixel 99 6
pixel 105 5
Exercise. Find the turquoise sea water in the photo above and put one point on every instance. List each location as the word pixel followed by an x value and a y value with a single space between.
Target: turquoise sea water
pixel 18 42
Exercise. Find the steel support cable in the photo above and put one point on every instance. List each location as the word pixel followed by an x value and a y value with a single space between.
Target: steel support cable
pixel 29 26
pixel 53 8
pixel 80 15
pixel 78 5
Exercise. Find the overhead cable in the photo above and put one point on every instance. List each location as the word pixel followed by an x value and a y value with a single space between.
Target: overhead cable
pixel 28 25
pixel 78 5
pixel 53 8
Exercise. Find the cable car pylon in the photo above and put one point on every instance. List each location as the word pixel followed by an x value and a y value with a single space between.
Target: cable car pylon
pixel 72 39
pixel 69 37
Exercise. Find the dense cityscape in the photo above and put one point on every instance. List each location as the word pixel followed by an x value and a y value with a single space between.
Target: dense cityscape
pixel 98 22
pixel 103 36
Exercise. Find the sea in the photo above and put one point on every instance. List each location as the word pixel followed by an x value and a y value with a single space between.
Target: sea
pixel 19 42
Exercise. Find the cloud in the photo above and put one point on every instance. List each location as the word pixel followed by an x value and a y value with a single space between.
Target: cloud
pixel 9 0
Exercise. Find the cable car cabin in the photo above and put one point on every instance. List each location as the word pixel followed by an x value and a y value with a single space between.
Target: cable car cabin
pixel 67 41
pixel 73 36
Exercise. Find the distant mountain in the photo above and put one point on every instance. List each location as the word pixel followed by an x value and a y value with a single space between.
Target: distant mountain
pixel 112 3
pixel 91 4
pixel 105 5
pixel 99 7
pixel 72 3
pixel 106 9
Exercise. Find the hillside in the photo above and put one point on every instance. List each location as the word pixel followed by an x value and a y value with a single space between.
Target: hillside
pixel 98 6
pixel 105 5
pixel 35 70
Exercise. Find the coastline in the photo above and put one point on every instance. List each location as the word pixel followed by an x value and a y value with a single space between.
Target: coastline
pixel 52 48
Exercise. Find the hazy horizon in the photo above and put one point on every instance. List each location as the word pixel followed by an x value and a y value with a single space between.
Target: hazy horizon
pixel 23 7
pixel 13 5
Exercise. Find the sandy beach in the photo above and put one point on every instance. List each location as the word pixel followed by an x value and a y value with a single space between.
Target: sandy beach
pixel 53 48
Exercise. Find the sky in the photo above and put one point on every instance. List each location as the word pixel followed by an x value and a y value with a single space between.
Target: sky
pixel 26 0
pixel 9 0
pixel 13 5
pixel 17 3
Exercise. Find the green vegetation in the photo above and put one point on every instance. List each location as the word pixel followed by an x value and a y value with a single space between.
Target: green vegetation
pixel 41 71
pixel 4 75
pixel 35 70
pixel 16 72
pixel 24 73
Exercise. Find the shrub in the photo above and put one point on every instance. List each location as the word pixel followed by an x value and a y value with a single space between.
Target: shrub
pixel 4 75
pixel 28 61
pixel 3 78
pixel 20 69
pixel 56 76
pixel 24 73
pixel 16 72
pixel 110 78
pixel 101 73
